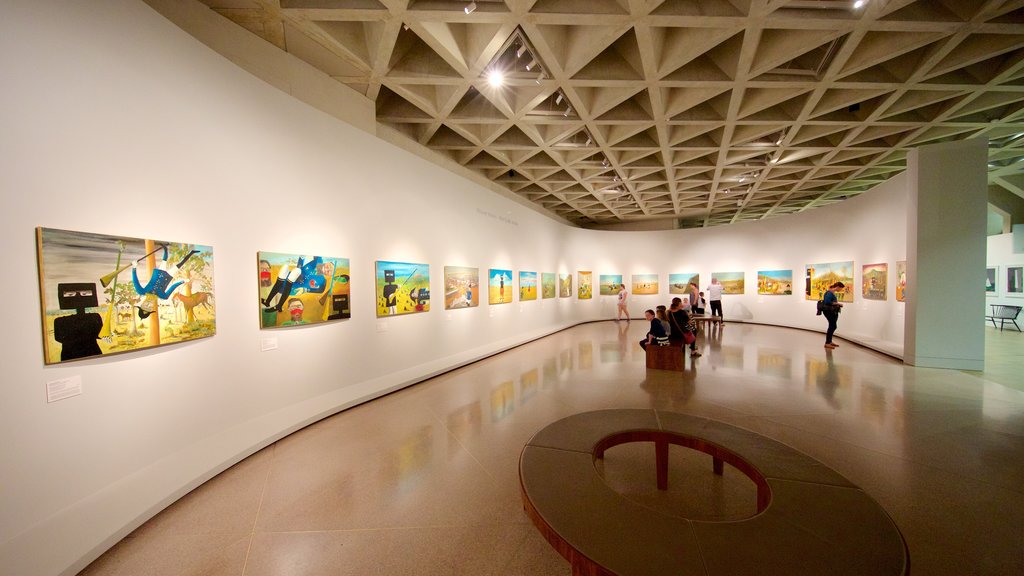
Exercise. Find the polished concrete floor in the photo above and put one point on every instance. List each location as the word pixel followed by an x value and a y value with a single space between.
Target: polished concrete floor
pixel 424 481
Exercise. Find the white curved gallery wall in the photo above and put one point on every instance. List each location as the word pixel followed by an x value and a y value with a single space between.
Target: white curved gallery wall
pixel 118 122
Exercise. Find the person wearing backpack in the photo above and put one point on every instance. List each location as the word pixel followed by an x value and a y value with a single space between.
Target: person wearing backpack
pixel 829 307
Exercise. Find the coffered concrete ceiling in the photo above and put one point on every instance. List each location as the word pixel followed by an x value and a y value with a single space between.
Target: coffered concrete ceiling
pixel 702 112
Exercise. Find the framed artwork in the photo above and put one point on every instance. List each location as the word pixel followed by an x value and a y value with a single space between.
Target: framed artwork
pixel 991 277
pixel 775 282
pixel 1015 280
pixel 402 288
pixel 103 294
pixel 298 289
pixel 610 284
pixel 461 287
pixel 679 283
pixel 527 286
pixel 565 285
pixel 547 285
pixel 645 283
pixel 732 282
pixel 499 283
pixel 874 279
pixel 818 277
pixel 901 281
pixel 584 290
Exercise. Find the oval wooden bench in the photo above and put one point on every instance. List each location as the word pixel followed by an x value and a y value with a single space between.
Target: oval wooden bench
pixel 810 520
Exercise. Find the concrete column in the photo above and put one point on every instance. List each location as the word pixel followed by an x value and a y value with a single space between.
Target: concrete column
pixel 946 222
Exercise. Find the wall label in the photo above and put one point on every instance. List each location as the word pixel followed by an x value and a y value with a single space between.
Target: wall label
pixel 63 388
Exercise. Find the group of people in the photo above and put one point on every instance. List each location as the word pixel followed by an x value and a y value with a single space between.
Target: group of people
pixel 672 326
pixel 694 303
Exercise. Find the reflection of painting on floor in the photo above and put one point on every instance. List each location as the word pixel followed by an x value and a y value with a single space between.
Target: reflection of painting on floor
pixel 732 282
pixel 527 286
pixel 609 284
pixel 901 281
pixel 461 287
pixel 402 288
pixel 775 282
pixel 583 292
pixel 297 289
pixel 499 283
pixel 503 401
pixel 819 277
pixel 564 285
pixel 645 283
pixel 679 283
pixel 875 281
pixel 104 294
pixel 547 285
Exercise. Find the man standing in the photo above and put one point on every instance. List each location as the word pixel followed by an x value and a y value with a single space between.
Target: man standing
pixel 715 299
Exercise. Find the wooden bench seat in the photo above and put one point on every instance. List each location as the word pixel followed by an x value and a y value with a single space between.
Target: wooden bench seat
pixel 810 520
pixel 665 357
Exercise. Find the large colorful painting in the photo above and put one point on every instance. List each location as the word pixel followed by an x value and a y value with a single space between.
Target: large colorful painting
pixel 103 294
pixel 527 286
pixel 499 284
pixel 775 282
pixel 547 285
pixel 609 284
pixel 645 283
pixel 680 283
pixel 584 290
pixel 732 282
pixel 901 281
pixel 461 287
pixel 874 280
pixel 565 285
pixel 820 276
pixel 402 288
pixel 296 289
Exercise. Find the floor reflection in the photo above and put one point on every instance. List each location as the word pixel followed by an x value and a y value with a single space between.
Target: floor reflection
pixel 942 451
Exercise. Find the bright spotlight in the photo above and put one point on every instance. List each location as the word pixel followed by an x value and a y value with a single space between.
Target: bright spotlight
pixel 469 7
pixel 495 78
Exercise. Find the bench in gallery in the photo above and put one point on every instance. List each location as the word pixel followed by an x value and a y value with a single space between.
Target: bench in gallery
pixel 1004 314
pixel 809 521
pixel 665 357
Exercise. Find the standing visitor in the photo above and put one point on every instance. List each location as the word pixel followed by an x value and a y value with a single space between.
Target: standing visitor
pixel 829 307
pixel 715 298
pixel 623 296
pixel 694 299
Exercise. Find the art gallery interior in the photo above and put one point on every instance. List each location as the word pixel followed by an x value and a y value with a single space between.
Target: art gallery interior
pixel 641 137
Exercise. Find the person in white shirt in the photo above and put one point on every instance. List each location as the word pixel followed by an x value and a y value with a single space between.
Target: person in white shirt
pixel 623 296
pixel 715 299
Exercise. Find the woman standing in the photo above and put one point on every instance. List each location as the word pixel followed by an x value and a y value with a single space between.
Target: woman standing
pixel 623 296
pixel 830 307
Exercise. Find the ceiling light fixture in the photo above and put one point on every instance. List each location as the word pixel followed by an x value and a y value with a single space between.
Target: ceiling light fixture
pixel 495 78
pixel 568 110
pixel 589 141
pixel 558 99
pixel 539 77
pixel 533 62
pixel 519 51
pixel 859 4
pixel 469 7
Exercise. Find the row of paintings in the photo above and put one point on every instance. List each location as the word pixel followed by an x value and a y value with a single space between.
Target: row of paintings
pixel 103 294
pixel 1013 286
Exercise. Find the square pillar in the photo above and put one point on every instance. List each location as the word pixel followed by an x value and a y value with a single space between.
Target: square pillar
pixel 946 245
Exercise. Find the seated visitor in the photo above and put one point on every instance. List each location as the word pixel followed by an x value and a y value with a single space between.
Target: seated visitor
pixel 680 321
pixel 657 335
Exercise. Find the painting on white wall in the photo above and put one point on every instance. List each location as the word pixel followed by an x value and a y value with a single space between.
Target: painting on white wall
pixel 991 276
pixel 1015 280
